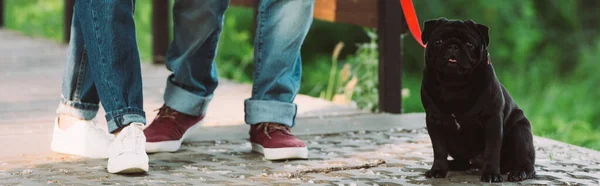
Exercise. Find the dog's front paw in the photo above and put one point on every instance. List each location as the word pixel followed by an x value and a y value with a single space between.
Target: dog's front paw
pixel 519 175
pixel 436 173
pixel 491 177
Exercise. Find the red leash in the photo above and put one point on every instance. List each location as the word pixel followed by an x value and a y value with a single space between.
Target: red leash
pixel 411 20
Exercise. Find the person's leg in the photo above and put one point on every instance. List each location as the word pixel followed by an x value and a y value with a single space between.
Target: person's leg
pixel 74 132
pixel 111 46
pixel 108 32
pixel 282 27
pixel 197 25
pixel 79 97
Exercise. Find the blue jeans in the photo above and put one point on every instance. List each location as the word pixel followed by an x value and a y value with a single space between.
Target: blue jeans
pixel 103 64
pixel 282 26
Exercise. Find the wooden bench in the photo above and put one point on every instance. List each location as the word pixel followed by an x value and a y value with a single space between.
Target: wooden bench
pixel 385 15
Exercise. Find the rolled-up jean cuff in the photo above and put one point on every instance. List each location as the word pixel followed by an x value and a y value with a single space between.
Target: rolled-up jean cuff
pixel 260 111
pixel 184 101
pixel 121 118
pixel 81 110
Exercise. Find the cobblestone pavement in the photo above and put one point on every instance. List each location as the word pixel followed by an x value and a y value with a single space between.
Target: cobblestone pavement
pixel 393 157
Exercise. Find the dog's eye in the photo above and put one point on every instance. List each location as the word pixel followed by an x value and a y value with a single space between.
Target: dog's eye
pixel 469 45
pixel 438 42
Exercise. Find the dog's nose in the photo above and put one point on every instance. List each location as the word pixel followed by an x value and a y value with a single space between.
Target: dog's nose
pixel 453 49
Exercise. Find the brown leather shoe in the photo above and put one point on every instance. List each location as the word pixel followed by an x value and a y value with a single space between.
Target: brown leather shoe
pixel 276 142
pixel 169 129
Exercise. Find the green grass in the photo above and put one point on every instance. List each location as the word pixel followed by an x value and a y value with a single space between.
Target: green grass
pixel 35 18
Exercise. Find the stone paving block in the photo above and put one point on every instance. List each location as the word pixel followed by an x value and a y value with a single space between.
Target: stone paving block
pixel 404 155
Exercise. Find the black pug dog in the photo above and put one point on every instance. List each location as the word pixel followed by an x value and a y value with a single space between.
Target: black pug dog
pixel 470 115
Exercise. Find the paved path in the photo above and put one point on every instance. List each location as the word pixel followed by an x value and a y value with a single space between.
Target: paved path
pixel 390 157
pixel 346 146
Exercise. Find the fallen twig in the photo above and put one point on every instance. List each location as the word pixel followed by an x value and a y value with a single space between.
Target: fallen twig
pixel 338 168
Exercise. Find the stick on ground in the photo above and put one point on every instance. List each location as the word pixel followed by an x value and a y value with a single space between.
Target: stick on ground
pixel 339 168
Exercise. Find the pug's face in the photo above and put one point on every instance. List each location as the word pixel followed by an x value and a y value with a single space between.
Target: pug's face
pixel 454 47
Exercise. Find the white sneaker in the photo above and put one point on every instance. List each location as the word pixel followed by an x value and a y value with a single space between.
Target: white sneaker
pixel 83 138
pixel 127 153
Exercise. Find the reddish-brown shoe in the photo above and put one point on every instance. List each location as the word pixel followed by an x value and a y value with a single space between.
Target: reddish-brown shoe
pixel 276 142
pixel 169 129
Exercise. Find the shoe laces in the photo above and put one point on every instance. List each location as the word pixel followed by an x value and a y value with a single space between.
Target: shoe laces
pixel 138 148
pixel 131 134
pixel 139 141
pixel 272 127
pixel 166 112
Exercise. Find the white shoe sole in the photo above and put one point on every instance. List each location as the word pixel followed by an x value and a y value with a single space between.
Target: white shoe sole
pixel 281 153
pixel 128 163
pixel 141 168
pixel 170 146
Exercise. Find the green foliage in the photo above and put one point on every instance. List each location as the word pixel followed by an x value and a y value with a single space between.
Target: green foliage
pixel 35 18
pixel 143 24
pixel 333 83
pixel 235 54
pixel 365 67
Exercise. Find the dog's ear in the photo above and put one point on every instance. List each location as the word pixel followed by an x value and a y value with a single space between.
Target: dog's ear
pixel 429 26
pixel 484 31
